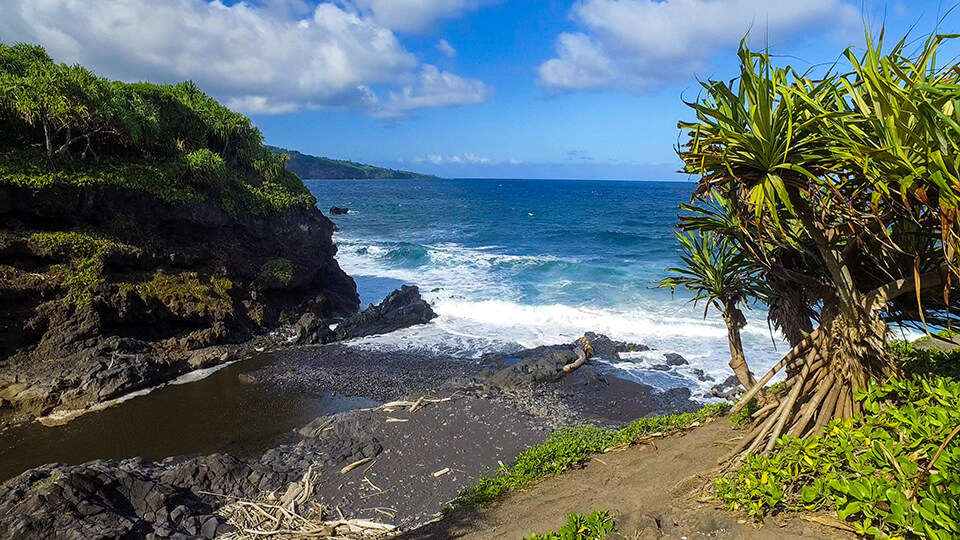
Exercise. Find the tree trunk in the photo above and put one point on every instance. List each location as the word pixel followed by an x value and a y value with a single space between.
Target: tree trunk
pixel 735 321
pixel 49 140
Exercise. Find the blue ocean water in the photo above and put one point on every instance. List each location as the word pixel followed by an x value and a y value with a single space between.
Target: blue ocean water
pixel 533 262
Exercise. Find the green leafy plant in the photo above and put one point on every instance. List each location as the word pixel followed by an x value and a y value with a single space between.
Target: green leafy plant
pixel 569 448
pixel 596 526
pixel 83 254
pixel 205 166
pixel 277 272
pixel 893 472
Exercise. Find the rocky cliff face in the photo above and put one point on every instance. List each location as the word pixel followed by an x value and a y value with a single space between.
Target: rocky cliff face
pixel 105 289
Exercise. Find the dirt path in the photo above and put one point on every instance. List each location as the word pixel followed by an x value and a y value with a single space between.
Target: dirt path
pixel 649 488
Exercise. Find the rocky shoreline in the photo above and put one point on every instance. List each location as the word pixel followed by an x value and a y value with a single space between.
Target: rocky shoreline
pixel 468 419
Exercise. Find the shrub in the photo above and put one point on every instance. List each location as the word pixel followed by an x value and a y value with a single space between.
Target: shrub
pixel 83 255
pixel 206 167
pixel 277 272
pixel 579 527
pixel 890 473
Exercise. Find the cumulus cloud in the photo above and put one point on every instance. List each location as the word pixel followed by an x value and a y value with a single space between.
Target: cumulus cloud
pixel 446 49
pixel 416 15
pixel 275 57
pixel 635 45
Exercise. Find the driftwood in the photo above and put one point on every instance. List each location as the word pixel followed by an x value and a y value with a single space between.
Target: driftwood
pixel 584 352
pixel 294 515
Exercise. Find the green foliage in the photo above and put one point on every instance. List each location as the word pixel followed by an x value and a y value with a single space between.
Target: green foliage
pixel 63 124
pixel 926 361
pixel 569 448
pixel 277 272
pixel 596 526
pixel 205 166
pixel 872 470
pixel 715 270
pixel 742 418
pixel 185 287
pixel 84 255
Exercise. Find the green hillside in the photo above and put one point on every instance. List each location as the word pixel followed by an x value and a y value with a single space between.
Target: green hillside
pixel 312 167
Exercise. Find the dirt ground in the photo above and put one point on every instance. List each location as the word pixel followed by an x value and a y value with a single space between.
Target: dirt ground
pixel 651 489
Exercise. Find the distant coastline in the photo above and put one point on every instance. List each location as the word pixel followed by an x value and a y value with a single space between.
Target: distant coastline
pixel 320 168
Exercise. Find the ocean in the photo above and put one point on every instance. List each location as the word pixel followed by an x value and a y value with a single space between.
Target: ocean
pixel 521 263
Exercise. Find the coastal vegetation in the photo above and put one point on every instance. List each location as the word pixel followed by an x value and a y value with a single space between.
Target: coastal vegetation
pixel 596 526
pixel 313 167
pixel 64 124
pixel 840 193
pixel 569 448
pixel 842 189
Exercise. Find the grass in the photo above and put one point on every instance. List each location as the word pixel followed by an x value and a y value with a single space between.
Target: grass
pixel 83 253
pixel 185 287
pixel 596 526
pixel 569 448
pixel 277 272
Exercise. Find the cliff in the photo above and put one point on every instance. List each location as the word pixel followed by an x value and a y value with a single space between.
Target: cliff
pixel 144 231
pixel 313 167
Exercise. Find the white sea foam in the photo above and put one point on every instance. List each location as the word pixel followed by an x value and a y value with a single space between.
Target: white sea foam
pixel 480 310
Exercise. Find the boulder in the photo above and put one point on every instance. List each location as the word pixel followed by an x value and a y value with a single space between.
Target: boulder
pixel 337 211
pixel 609 349
pixel 727 389
pixel 311 330
pixel 674 359
pixel 400 309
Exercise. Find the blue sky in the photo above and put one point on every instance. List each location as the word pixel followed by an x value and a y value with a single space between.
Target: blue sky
pixel 460 88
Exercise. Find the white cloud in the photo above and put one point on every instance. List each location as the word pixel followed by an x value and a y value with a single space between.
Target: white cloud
pixel 634 45
pixel 466 157
pixel 416 15
pixel 433 88
pixel 446 49
pixel 274 57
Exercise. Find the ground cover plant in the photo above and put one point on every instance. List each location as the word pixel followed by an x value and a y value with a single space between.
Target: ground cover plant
pixel 569 448
pixel 596 526
pixel 893 472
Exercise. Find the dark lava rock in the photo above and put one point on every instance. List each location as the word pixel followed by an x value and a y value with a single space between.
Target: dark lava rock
pixel 270 269
pixel 728 388
pixel 400 309
pixel 674 359
pixel 311 330
pixel 660 367
pixel 703 377
pixel 609 349
pixel 337 211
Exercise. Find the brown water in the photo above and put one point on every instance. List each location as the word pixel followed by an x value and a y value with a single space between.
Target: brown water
pixel 215 414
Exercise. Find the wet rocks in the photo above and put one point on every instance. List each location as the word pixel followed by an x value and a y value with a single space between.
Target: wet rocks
pixel 400 309
pixel 311 330
pixel 729 388
pixel 338 211
pixel 609 349
pixel 674 359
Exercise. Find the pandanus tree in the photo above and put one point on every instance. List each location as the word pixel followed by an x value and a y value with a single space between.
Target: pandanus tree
pixel 715 271
pixel 844 189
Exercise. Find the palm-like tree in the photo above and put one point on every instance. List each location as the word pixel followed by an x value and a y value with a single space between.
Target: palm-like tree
pixel 717 272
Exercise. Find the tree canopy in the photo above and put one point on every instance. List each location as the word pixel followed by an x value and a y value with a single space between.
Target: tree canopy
pixel 843 188
pixel 64 123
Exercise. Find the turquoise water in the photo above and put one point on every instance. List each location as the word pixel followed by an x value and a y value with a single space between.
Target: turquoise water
pixel 509 263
